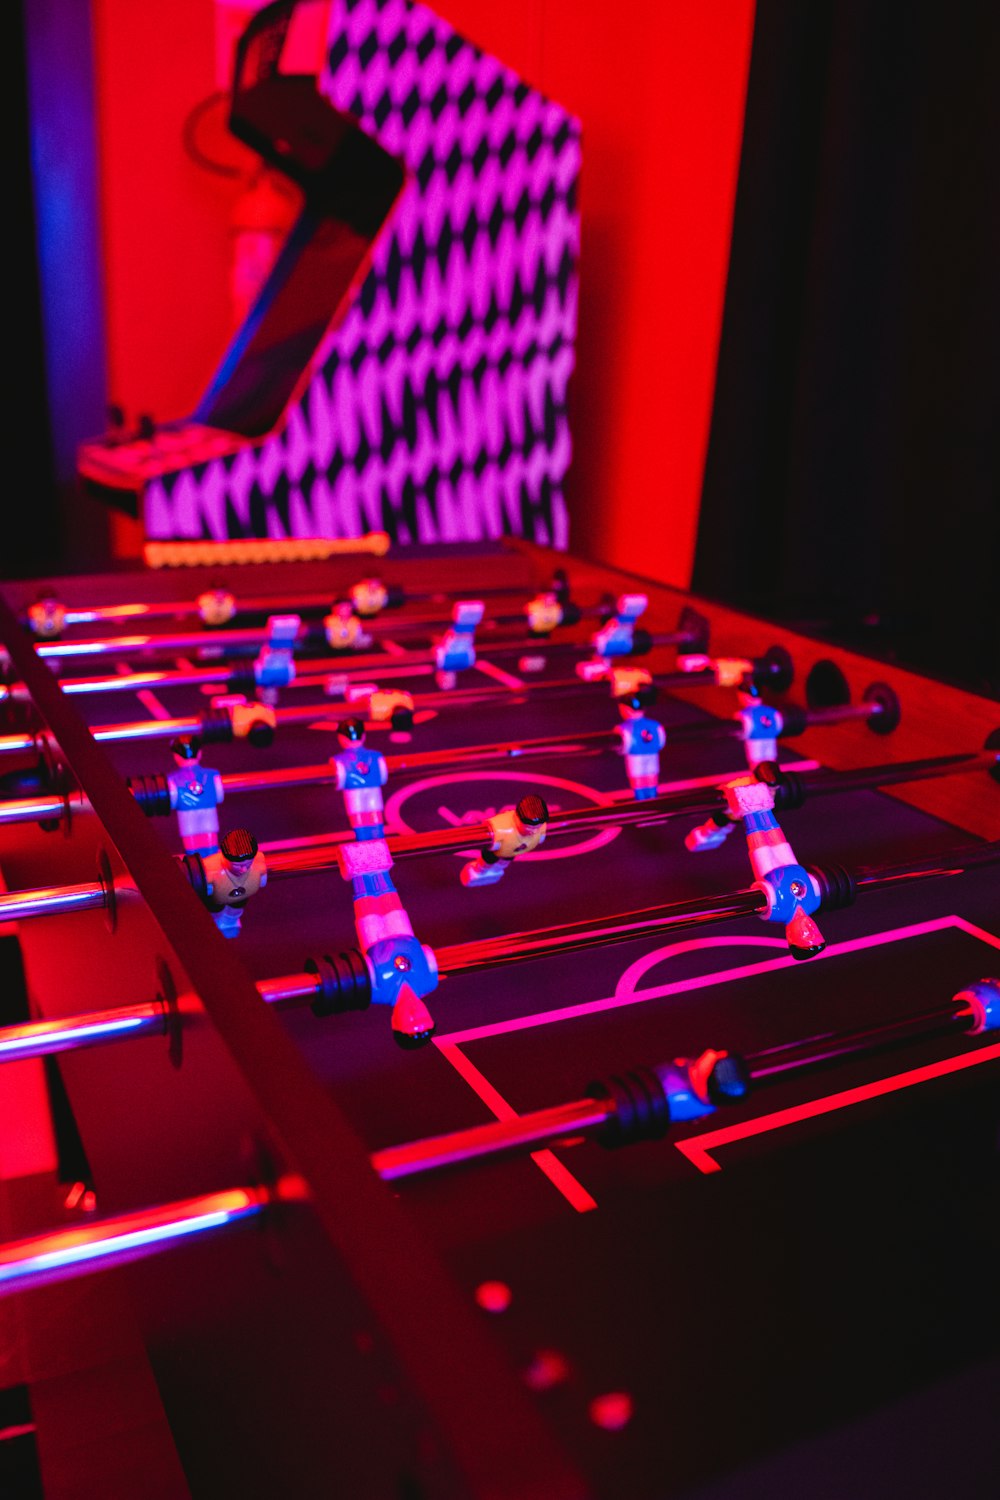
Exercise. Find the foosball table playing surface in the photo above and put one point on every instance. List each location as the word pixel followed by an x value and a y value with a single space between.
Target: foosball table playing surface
pixel 574 1109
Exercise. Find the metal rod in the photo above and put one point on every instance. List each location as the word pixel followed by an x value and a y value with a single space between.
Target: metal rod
pixel 64 1253
pixel 863 778
pixel 31 809
pixel 839 713
pixel 308 856
pixel 10 744
pixel 814 1052
pixel 72 1033
pixel 950 862
pixel 288 989
pixel 123 645
pixel 574 937
pixel 547 1127
pixel 323 666
pixel 525 1133
pixel 47 901
pixel 255 604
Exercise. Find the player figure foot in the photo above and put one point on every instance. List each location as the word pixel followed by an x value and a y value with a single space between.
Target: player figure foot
pixel 412 1022
pixel 804 938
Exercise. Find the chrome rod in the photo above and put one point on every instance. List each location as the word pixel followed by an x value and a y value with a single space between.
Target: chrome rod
pixel 525 1133
pixel 64 1253
pixel 71 1033
pixel 47 901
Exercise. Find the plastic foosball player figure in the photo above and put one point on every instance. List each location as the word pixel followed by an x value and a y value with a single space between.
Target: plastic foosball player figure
pixel 216 607
pixel 617 637
pixel 274 666
pixel 229 877
pixel 195 793
pixel 792 895
pixel 761 726
pixel 234 718
pixel 343 629
pixel 456 650
pixel 47 617
pixel 382 705
pixel 641 741
pixel 371 596
pixel 401 968
pixel 516 830
pixel 361 775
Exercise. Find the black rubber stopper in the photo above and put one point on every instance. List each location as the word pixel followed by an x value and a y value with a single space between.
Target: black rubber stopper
pixel 728 1080
pixel 238 845
pixel 993 743
pixel 888 716
pixel 837 886
pixel 532 810
pixel 696 627
pixel 826 686
pixel 395 595
pixel 194 869
pixel 401 718
pixel 242 682
pixel 559 585
pixel 642 1112
pixel 27 781
pixel 152 794
pixel 571 613
pixel 642 643
pixel 345 982
pixel 216 729
pixel 775 669
pixel 794 718
pixel 260 734
pixel 789 788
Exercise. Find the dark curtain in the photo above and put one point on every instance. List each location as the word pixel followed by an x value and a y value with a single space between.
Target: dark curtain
pixel 852 483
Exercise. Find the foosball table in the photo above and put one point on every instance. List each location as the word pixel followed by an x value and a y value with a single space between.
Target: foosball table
pixel 479 1023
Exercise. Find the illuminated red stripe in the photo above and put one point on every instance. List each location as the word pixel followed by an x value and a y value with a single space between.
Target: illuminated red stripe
pixel 560 1177
pixel 697 1147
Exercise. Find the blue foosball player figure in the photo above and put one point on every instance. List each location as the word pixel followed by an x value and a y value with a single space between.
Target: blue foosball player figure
pixel 401 968
pixel 361 775
pixel 642 739
pixel 456 650
pixel 195 794
pixel 792 894
pixel 761 725
pixel 274 666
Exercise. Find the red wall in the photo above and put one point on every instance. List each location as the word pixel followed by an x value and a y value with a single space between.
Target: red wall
pixel 165 220
pixel 660 88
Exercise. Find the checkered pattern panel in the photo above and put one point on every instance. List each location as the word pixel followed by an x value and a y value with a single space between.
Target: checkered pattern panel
pixel 438 408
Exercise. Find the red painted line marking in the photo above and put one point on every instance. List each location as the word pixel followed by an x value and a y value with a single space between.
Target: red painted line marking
pixel 391 648
pixel 498 674
pixel 574 1192
pixel 697 1147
